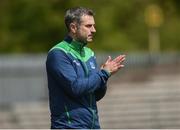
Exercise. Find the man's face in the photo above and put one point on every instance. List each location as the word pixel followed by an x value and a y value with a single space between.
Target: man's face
pixel 86 29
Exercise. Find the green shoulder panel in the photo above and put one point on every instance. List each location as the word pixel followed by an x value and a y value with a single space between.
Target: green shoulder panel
pixel 88 53
pixel 84 55
pixel 62 46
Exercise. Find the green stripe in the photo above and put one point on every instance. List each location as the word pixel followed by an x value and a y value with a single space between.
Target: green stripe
pixel 93 119
pixel 67 114
pixel 83 54
pixel 91 96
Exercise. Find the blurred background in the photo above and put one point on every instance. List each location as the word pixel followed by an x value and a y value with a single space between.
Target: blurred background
pixel 145 94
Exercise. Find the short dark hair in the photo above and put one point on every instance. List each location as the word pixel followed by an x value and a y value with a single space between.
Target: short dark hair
pixel 75 14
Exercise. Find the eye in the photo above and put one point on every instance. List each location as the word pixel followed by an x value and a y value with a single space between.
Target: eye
pixel 89 26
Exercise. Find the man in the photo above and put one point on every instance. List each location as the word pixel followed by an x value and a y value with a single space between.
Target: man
pixel 75 83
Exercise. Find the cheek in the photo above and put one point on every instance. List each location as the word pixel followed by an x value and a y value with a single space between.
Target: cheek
pixel 85 30
pixel 84 33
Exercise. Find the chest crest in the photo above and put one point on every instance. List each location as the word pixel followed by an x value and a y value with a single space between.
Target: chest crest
pixel 92 65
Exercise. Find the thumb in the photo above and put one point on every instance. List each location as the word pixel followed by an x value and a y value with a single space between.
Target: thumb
pixel 108 60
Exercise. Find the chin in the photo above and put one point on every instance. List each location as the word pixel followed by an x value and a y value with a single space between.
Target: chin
pixel 90 40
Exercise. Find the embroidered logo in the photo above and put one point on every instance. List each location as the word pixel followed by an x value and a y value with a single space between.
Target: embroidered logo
pixel 92 65
pixel 76 62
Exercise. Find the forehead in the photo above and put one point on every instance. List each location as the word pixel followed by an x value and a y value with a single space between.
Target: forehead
pixel 87 19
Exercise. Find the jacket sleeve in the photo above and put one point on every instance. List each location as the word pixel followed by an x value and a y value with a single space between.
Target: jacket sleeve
pixel 59 66
pixel 100 93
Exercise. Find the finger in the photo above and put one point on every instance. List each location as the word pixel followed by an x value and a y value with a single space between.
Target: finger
pixel 119 65
pixel 108 60
pixel 119 58
pixel 122 60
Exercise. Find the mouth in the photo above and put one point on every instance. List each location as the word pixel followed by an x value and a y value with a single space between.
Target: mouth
pixel 90 36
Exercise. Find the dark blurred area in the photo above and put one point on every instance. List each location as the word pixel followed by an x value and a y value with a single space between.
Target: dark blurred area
pixel 143 95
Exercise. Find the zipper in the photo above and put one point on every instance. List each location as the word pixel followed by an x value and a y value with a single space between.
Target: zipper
pixel 91 98
pixel 85 68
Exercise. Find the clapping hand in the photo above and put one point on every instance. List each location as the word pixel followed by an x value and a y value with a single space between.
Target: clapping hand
pixel 113 65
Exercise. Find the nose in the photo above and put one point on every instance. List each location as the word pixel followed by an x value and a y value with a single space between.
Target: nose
pixel 93 29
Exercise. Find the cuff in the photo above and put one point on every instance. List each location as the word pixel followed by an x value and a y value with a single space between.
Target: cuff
pixel 107 72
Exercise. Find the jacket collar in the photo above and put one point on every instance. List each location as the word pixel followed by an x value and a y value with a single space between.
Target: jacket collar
pixel 74 44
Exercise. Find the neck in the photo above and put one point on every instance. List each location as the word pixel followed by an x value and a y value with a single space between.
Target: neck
pixel 74 43
pixel 74 38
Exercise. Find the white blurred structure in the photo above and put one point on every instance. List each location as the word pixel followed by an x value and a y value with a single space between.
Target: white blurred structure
pixel 145 94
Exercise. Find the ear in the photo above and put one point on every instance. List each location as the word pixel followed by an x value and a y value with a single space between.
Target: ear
pixel 73 27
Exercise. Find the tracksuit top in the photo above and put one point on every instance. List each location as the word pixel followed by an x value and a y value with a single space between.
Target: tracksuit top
pixel 75 83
